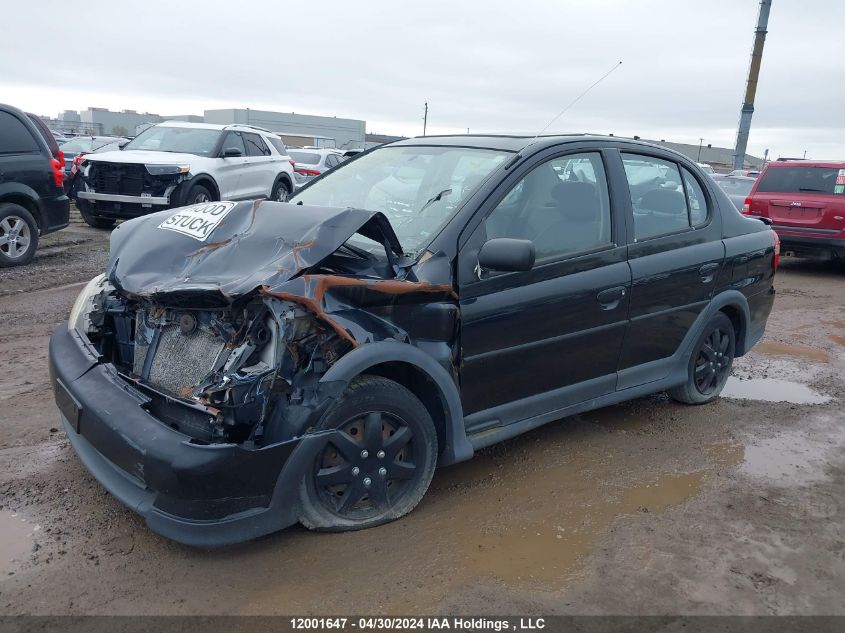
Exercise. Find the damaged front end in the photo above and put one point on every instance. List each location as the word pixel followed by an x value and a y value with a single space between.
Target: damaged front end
pixel 222 336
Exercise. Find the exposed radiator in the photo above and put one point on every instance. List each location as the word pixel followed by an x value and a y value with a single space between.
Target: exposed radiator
pixel 180 360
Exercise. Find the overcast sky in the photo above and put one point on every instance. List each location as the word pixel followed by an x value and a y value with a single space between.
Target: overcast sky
pixel 490 66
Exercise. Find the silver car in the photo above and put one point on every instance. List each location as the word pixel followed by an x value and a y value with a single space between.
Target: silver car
pixel 311 162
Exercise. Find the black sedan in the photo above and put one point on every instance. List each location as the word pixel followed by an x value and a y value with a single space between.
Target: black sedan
pixel 243 366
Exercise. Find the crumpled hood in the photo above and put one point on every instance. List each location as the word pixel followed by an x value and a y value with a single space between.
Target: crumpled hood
pixel 214 252
pixel 142 156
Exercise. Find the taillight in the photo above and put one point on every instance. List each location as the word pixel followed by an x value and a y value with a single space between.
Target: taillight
pixel 746 206
pixel 777 249
pixel 306 172
pixel 292 163
pixel 58 171
pixel 61 157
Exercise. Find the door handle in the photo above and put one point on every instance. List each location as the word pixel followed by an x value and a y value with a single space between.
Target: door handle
pixel 708 272
pixel 610 298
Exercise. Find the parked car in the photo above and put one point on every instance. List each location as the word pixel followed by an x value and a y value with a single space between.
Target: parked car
pixel 311 162
pixel 177 163
pixel 805 203
pixel 707 169
pixel 81 145
pixel 737 187
pixel 243 367
pixel 749 173
pixel 32 198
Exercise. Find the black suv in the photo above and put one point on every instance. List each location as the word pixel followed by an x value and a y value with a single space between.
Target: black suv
pixel 243 366
pixel 32 197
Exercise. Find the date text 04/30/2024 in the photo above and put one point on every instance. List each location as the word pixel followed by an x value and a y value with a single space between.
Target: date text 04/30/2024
pixel 418 623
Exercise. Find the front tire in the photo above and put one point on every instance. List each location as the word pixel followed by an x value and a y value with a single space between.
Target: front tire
pixel 710 363
pixel 95 221
pixel 198 194
pixel 378 465
pixel 18 235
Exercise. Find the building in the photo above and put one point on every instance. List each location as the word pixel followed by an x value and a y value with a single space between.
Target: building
pixel 123 123
pixel 720 158
pixel 297 130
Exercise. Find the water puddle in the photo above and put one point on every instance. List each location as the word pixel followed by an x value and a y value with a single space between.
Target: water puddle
pixel 775 348
pixel 792 457
pixel 15 541
pixel 772 390
pixel 551 549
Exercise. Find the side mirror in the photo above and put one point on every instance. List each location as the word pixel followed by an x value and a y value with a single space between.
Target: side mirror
pixel 232 152
pixel 122 143
pixel 507 254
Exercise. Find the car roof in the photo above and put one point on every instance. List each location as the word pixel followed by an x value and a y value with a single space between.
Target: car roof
pixel 834 164
pixel 215 126
pixel 515 143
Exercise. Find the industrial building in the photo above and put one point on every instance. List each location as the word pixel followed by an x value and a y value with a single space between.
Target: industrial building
pixel 297 130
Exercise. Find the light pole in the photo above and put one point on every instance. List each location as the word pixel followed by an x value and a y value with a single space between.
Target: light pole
pixel 425 117
pixel 700 142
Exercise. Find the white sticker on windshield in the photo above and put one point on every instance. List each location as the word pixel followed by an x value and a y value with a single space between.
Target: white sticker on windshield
pixel 199 220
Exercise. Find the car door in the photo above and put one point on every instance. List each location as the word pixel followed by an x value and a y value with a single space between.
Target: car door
pixel 259 175
pixel 536 341
pixel 231 168
pixel 675 254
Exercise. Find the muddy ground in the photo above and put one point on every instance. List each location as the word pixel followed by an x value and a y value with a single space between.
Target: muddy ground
pixel 650 507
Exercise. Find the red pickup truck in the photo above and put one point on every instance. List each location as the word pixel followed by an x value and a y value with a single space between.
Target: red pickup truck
pixel 805 203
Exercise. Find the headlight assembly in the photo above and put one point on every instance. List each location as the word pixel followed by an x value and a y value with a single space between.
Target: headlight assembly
pixel 167 170
pixel 80 314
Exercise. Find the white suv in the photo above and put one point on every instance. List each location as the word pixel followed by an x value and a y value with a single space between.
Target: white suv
pixel 176 163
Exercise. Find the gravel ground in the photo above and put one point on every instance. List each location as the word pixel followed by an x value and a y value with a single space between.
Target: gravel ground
pixel 649 507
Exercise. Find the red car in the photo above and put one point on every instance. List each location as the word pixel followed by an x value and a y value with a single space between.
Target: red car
pixel 805 203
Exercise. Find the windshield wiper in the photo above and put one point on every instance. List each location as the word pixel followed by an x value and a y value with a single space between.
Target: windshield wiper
pixel 435 198
pixel 810 189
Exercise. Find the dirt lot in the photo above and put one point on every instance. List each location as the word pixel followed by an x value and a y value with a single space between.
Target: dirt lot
pixel 650 507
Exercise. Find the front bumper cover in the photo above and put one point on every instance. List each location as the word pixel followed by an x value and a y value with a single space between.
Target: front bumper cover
pixel 197 494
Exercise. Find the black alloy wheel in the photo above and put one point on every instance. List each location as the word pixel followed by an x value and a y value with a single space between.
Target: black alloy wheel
pixel 368 464
pixel 710 363
pixel 378 463
pixel 714 362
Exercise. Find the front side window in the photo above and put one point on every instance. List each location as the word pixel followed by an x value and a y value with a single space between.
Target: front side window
pixel 184 140
pixel 418 188
pixel 662 202
pixel 234 140
pixel 562 206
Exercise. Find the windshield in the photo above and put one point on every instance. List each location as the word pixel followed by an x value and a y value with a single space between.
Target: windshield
pixel 417 188
pixel 78 145
pixel 802 180
pixel 306 158
pixel 736 186
pixel 185 140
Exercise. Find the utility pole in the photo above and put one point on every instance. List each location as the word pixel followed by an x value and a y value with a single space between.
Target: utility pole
pixel 425 118
pixel 700 143
pixel 751 86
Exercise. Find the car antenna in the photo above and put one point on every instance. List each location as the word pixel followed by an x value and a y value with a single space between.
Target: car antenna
pixel 573 102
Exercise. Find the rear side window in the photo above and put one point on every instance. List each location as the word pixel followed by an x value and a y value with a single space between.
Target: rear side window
pixel 803 180
pixel 46 134
pixel 15 137
pixel 279 145
pixel 255 145
pixel 664 201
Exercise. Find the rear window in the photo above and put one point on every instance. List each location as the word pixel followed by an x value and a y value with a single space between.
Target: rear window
pixel 807 179
pixel 15 137
pixel 278 144
pixel 306 158
pixel 736 187
pixel 78 145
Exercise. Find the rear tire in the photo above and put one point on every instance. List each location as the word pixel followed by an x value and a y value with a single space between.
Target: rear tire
pixel 710 363
pixel 281 192
pixel 18 235
pixel 380 464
